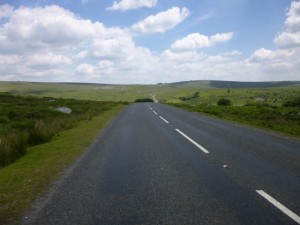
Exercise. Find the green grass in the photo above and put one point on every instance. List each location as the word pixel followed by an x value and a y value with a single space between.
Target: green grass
pixel 28 121
pixel 26 179
pixel 210 91
pixel 282 119
pixel 259 107
pixel 98 92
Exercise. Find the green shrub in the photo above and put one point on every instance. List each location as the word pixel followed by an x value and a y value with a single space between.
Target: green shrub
pixel 12 147
pixel 224 102
pixel 294 103
pixel 144 100
pixel 40 133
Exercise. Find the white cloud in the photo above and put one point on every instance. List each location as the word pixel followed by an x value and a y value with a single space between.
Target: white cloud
pixel 263 55
pixel 290 37
pixel 162 21
pixel 82 54
pixel 86 69
pixel 53 44
pixel 292 23
pixel 5 10
pixel 180 57
pixel 197 41
pixel 49 60
pixel 124 5
pixel 232 53
pixel 105 64
pixel 29 29
pixel 284 60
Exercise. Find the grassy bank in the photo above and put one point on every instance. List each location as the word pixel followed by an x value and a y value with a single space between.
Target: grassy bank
pixel 27 121
pixel 282 119
pixel 24 180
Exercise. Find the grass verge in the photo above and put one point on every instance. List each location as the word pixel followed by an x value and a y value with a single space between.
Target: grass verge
pixel 284 119
pixel 23 181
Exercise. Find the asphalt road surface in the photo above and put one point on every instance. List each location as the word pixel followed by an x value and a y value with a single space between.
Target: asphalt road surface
pixel 157 164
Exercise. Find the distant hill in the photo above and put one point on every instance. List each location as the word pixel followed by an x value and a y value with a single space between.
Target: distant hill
pixel 235 84
pixel 232 84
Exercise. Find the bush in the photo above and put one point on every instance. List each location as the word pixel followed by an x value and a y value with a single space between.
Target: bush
pixel 40 133
pixel 144 100
pixel 12 147
pixel 224 102
pixel 294 103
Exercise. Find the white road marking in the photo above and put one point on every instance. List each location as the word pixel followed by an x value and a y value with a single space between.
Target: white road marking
pixel 277 204
pixel 155 112
pixel 163 119
pixel 194 142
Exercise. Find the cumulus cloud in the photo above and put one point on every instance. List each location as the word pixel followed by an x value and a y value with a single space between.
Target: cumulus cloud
pixel 285 58
pixel 105 64
pixel 290 37
pixel 53 39
pixel 53 44
pixel 48 60
pixel 5 10
pixel 162 21
pixel 196 41
pixel 86 69
pixel 124 5
pixel 39 28
pixel 263 55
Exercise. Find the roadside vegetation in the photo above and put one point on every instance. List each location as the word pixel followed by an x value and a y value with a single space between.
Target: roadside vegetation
pixel 29 121
pixel 41 143
pixel 274 109
pixel 144 100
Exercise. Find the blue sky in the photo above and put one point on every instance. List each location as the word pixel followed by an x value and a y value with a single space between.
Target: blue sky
pixel 149 41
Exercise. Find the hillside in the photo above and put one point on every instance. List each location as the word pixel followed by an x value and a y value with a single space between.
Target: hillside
pixel 231 84
pixel 164 92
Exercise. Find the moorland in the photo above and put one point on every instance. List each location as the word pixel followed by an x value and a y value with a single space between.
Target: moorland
pixel 38 141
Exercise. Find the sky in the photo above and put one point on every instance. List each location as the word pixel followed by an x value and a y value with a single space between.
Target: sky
pixel 149 41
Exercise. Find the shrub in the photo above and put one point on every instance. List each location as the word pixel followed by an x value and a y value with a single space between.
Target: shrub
pixel 144 100
pixel 40 133
pixel 294 103
pixel 12 147
pixel 224 102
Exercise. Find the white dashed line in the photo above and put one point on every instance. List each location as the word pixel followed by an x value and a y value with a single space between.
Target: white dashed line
pixel 154 112
pixel 191 140
pixel 164 119
pixel 281 207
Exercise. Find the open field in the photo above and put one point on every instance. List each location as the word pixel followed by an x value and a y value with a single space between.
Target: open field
pixel 98 92
pixel 210 91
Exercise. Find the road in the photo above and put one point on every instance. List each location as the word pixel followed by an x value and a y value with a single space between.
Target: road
pixel 157 164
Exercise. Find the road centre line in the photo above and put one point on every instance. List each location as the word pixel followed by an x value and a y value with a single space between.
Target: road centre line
pixel 191 140
pixel 155 112
pixel 278 205
pixel 164 119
